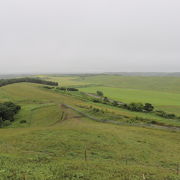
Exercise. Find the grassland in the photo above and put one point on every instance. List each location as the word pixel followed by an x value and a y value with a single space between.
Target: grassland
pixel 163 92
pixel 52 147
pixel 162 84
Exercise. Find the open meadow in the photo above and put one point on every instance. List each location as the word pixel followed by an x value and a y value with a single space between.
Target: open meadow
pixel 56 142
pixel 163 92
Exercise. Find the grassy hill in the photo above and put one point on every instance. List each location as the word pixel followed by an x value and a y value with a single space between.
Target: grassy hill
pixel 59 143
pixel 163 92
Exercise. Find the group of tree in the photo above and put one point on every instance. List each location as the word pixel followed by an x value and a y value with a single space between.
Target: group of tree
pixel 7 112
pixel 139 107
pixel 4 82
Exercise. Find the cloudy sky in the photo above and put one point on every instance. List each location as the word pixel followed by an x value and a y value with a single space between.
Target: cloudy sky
pixel 89 35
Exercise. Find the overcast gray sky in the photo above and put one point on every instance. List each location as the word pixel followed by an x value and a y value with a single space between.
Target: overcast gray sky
pixel 89 35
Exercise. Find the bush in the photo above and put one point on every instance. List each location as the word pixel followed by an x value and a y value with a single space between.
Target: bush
pixel 115 103
pixel 153 122
pixel 1 122
pixel 99 93
pixel 23 121
pixel 165 115
pixel 96 110
pixel 96 100
pixel 62 88
pixel 6 123
pixel 106 100
pixel 135 107
pixel 125 106
pixel 148 107
pixel 72 89
pixel 171 116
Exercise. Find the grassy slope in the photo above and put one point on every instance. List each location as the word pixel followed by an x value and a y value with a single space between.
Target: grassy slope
pixel 162 84
pixel 163 92
pixel 64 80
pixel 130 95
pixel 48 148
pixel 116 112
pixel 160 91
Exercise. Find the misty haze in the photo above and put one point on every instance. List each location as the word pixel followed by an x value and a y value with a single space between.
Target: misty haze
pixel 89 36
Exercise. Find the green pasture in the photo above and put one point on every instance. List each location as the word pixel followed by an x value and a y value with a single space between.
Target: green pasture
pixel 132 95
pixel 162 84
pixel 163 92
pixel 50 146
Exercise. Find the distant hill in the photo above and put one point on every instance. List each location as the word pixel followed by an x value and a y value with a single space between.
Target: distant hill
pixel 177 74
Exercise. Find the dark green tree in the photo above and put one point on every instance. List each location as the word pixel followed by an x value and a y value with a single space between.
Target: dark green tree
pixel 115 103
pixel 148 107
pixel 106 100
pixel 7 112
pixel 99 93
pixel 136 107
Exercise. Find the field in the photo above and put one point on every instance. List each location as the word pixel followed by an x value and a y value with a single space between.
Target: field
pixel 57 142
pixel 163 92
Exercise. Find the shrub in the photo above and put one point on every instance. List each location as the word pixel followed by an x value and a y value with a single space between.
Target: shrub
pixel 115 103
pixel 125 106
pixel 99 93
pixel 23 121
pixel 96 110
pixel 96 100
pixel 6 123
pixel 62 88
pixel 105 99
pixel 153 122
pixel 148 107
pixel 135 107
pixel 72 89
pixel 171 116
pixel 1 122
pixel 165 115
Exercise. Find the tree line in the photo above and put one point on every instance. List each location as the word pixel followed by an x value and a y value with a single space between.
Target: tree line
pixel 137 107
pixel 4 82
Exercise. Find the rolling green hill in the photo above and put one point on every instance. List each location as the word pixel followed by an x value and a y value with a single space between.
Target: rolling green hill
pixel 162 84
pixel 59 143
pixel 163 92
